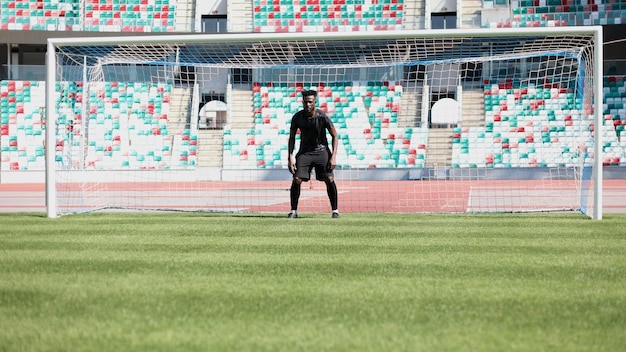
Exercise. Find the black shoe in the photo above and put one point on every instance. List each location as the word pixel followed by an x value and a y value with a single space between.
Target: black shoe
pixel 292 215
pixel 335 215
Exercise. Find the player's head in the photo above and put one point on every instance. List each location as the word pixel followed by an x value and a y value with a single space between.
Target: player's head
pixel 308 100
pixel 310 92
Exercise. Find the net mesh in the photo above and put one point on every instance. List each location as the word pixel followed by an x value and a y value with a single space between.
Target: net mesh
pixel 463 123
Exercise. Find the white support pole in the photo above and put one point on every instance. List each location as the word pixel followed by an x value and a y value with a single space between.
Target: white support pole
pixel 426 105
pixel 50 141
pixel 194 119
pixel 598 119
pixel 459 99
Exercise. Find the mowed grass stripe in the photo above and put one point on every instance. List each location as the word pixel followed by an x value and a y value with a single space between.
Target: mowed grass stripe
pixel 366 282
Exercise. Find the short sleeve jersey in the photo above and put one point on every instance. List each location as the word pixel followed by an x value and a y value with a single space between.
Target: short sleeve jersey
pixel 312 130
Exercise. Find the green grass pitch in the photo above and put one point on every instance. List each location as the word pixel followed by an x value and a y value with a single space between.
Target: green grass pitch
pixel 366 282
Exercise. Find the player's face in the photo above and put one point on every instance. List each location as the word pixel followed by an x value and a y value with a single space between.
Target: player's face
pixel 308 103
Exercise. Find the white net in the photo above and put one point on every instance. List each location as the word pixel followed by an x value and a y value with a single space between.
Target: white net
pixel 466 122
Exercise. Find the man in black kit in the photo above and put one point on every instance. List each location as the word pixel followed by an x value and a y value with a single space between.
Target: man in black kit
pixel 313 152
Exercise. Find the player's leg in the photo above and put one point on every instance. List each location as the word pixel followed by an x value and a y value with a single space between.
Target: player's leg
pixel 324 173
pixel 294 194
pixel 303 174
pixel 331 190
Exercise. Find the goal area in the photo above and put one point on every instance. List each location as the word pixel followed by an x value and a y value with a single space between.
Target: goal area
pixel 436 121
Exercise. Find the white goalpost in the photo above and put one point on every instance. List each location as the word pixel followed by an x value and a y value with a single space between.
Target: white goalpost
pixel 437 121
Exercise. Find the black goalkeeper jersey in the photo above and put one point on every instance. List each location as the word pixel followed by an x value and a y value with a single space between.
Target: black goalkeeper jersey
pixel 312 130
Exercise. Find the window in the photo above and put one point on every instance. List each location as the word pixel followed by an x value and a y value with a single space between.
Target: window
pixel 472 71
pixel 435 97
pixel 212 111
pixel 214 23
pixel 186 75
pixel 241 75
pixel 443 20
pixel 414 72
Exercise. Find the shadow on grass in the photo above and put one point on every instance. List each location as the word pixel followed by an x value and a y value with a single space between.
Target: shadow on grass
pixel 27 215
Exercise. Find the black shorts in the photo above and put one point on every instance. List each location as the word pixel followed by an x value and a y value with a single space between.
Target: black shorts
pixel 316 159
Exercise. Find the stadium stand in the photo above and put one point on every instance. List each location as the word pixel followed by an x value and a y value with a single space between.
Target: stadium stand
pixel 129 126
pixel 364 113
pixel 327 15
pixel 535 126
pixel 615 119
pixel 21 125
pixel 554 13
pixel 523 126
pixel 89 15
pixel 133 128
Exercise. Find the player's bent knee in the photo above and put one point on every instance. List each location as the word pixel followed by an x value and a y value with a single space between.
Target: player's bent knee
pixel 330 179
pixel 297 180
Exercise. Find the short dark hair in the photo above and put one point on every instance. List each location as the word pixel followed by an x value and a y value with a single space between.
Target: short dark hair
pixel 306 93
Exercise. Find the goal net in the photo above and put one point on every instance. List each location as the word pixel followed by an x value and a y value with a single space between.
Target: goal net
pixel 450 121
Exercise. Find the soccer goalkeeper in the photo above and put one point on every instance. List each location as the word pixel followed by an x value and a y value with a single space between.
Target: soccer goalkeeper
pixel 313 153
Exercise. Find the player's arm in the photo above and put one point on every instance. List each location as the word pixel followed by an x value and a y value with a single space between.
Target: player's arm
pixel 291 144
pixel 335 146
